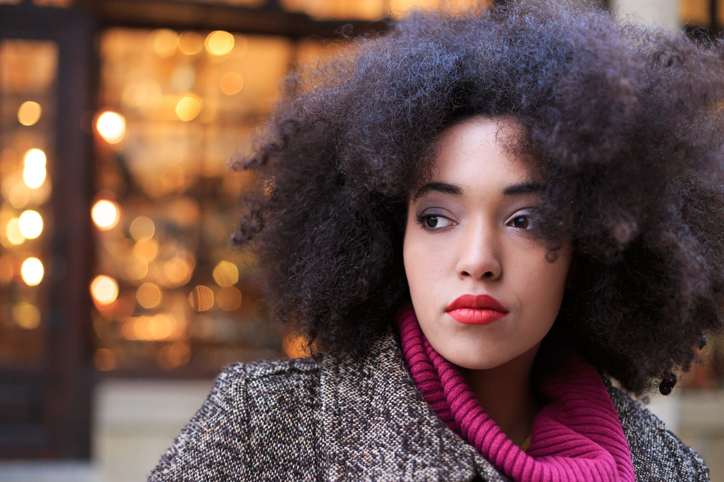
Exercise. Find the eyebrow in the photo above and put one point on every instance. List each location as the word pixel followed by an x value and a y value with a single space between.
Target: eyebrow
pixel 512 190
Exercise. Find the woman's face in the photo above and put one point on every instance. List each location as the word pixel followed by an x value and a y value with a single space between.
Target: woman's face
pixel 467 235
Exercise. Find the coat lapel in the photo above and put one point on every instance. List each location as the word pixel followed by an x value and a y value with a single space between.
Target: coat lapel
pixel 375 425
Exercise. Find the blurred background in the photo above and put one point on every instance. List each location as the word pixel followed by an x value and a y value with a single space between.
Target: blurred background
pixel 120 296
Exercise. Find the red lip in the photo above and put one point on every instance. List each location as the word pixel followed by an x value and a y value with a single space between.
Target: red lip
pixel 476 310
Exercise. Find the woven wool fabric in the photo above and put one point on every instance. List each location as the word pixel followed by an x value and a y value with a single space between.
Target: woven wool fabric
pixel 576 436
pixel 362 419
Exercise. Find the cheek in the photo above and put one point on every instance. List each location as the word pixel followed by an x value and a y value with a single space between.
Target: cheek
pixel 544 283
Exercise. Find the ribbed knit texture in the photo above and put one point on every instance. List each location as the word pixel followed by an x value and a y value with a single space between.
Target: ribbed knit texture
pixel 577 436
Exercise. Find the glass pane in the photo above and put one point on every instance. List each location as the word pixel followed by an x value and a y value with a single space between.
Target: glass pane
pixel 27 104
pixel 169 292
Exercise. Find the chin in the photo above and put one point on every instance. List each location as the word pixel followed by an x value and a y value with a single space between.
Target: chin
pixel 477 363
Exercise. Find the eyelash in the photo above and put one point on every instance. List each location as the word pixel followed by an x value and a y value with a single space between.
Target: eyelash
pixel 422 220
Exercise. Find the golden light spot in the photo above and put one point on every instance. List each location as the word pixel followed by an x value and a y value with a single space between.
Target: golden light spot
pixel 6 269
pixel 12 231
pixel 190 43
pixel 26 315
pixel 149 295
pixel 177 271
pixel 201 298
pixel 29 113
pixel 226 274
pixel 34 171
pixel 104 359
pixel 231 83
pixel 104 289
pixel 146 249
pixel 152 328
pixel 229 298
pixel 30 224
pixel 32 271
pixel 219 42
pixel 142 228
pixel 174 355
pixel 136 267
pixel 189 107
pixel 164 43
pixel 111 126
pixel 105 214
pixel 19 195
pixel 293 345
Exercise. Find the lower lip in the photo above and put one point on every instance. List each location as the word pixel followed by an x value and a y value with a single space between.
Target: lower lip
pixel 470 316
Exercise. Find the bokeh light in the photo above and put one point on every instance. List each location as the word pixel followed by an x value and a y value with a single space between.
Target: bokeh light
pixel 294 345
pixel 142 228
pixel 104 289
pixel 149 328
pixel 164 43
pixel 149 295
pixel 26 315
pixel 30 224
pixel 229 298
pixel 12 232
pixel 189 107
pixel 19 195
pixel 201 298
pixel 136 267
pixel 226 274
pixel 231 83
pixel 111 126
pixel 190 43
pixel 105 214
pixel 219 42
pixel 177 271
pixel 32 271
pixel 29 113
pixel 147 249
pixel 34 171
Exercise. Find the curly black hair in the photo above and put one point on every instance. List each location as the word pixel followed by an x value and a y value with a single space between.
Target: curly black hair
pixel 622 122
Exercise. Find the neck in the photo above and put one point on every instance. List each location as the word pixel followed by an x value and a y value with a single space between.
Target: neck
pixel 506 395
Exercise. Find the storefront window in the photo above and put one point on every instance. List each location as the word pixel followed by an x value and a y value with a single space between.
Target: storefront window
pixel 27 119
pixel 168 289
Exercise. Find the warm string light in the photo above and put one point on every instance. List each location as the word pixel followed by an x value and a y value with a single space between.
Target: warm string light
pixel 189 107
pixel 32 271
pixel 104 289
pixel 111 126
pixel 219 42
pixel 29 113
pixel 105 214
pixel 34 171
pixel 30 224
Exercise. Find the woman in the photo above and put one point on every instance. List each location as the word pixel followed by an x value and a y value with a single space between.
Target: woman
pixel 479 220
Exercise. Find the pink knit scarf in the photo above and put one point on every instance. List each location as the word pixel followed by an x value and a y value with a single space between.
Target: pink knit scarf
pixel 577 436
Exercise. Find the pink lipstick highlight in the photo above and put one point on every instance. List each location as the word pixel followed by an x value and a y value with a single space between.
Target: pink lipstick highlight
pixel 476 310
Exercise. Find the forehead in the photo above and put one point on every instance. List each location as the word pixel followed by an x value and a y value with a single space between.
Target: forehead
pixel 477 153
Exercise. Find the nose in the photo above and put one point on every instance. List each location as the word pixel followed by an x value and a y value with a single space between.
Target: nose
pixel 479 254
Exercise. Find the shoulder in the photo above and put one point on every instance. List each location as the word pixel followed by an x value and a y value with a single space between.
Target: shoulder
pixel 264 407
pixel 657 453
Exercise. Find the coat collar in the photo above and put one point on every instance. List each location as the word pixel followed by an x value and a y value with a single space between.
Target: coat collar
pixel 375 424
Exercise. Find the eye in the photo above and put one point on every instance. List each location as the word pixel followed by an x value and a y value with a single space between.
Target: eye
pixel 433 222
pixel 520 220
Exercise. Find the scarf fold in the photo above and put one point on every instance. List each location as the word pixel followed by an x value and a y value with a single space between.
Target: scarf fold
pixel 576 436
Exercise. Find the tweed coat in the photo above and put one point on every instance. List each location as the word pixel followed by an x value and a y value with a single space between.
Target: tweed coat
pixel 344 419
